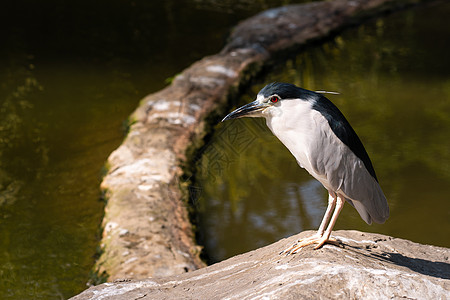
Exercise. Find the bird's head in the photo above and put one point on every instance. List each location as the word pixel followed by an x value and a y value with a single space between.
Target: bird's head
pixel 270 100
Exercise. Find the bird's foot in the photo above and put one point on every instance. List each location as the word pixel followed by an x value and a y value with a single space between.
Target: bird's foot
pixel 315 239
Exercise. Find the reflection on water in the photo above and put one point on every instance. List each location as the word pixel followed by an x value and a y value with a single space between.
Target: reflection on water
pixel 394 79
pixel 54 141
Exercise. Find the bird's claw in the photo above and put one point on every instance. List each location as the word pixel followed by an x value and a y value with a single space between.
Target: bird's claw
pixel 319 240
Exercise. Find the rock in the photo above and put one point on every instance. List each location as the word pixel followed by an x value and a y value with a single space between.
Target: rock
pixel 366 265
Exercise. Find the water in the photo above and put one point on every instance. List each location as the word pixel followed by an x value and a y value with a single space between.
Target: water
pixel 394 82
pixel 70 75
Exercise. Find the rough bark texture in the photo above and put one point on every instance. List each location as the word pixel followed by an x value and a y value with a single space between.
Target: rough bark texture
pixel 147 232
pixel 367 266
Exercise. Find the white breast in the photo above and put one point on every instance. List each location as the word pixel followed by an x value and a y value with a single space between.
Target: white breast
pixel 295 124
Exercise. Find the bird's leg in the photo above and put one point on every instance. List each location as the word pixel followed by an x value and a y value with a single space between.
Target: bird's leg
pixel 322 237
pixel 326 236
pixel 323 224
pixel 331 204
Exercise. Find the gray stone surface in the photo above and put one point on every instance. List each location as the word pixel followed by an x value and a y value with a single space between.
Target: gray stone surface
pixel 365 266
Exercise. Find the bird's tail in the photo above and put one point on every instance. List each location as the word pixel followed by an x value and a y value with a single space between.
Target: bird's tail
pixel 375 209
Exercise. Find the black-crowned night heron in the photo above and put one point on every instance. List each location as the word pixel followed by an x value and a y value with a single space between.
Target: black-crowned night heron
pixel 324 143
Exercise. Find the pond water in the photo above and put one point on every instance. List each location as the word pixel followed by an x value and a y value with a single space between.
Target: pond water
pixel 70 75
pixel 393 76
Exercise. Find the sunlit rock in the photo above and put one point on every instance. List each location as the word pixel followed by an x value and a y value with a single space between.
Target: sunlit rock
pixel 365 266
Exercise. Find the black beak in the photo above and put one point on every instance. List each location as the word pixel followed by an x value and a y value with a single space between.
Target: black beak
pixel 245 111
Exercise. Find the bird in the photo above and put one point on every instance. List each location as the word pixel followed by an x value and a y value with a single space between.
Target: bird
pixel 322 141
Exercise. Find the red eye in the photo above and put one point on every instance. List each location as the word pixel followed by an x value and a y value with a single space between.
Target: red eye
pixel 274 99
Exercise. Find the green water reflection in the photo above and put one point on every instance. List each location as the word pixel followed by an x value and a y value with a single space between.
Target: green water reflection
pixel 394 79
pixel 56 132
pixel 70 74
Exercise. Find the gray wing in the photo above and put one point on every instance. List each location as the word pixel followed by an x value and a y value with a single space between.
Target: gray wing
pixel 339 169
